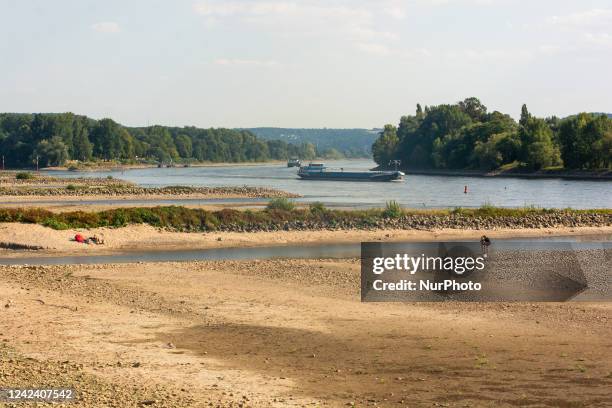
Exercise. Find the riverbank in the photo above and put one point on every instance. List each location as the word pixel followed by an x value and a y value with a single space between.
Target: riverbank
pixel 603 175
pixel 59 204
pixel 35 186
pixel 147 238
pixel 281 215
pixel 30 195
pixel 288 333
pixel 93 167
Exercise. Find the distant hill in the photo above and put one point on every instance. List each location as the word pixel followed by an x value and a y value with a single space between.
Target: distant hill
pixel 348 142
pixel 609 115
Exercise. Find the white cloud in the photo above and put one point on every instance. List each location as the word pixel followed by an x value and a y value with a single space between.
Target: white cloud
pixel 367 33
pixel 462 2
pixel 330 19
pixel 396 12
pixel 598 39
pixel 589 18
pixel 245 62
pixel 213 9
pixel 549 49
pixel 589 29
pixel 266 9
pixel 495 54
pixel 373 48
pixel 400 54
pixel 106 27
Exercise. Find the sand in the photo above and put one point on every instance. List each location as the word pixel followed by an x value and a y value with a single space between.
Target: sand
pixel 282 333
pixel 288 333
pixel 144 237
pixel 101 202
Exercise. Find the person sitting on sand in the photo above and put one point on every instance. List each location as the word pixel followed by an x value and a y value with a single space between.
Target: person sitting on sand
pixel 96 240
pixel 484 245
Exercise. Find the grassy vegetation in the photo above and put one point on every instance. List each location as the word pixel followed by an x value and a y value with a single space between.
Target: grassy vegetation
pixel 75 187
pixel 24 176
pixel 281 204
pixel 317 208
pixel 188 219
pixel 393 210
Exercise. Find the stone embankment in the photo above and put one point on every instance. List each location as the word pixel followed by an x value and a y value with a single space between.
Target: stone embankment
pixel 10 179
pixel 114 190
pixel 43 185
pixel 434 222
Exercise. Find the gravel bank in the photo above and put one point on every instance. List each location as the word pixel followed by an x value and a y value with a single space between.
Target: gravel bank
pixel 121 190
pixel 434 222
pixel 42 185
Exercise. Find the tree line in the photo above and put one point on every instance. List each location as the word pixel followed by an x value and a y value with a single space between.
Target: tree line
pixel 465 136
pixel 55 138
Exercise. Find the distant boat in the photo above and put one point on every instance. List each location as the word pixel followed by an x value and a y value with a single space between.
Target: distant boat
pixel 318 171
pixel 294 162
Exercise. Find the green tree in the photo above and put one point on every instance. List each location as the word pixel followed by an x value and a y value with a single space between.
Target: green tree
pixel 509 145
pixel 541 154
pixel 278 149
pixel 584 139
pixel 309 151
pixel 474 109
pixel 525 115
pixel 162 146
pixel 127 145
pixel 488 154
pixel 602 151
pixel 184 146
pixel 384 147
pixel 539 150
pixel 332 154
pixel 419 112
pixel 82 147
pixel 106 136
pixel 52 152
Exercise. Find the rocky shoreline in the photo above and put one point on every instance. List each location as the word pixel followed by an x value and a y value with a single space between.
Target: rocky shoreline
pixel 9 178
pixel 432 222
pixel 114 190
pixel 602 175
pixel 41 185
pixel 183 219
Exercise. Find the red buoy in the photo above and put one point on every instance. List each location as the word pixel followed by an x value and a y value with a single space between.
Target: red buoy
pixel 465 190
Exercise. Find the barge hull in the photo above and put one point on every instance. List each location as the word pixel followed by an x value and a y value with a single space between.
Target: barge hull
pixel 351 176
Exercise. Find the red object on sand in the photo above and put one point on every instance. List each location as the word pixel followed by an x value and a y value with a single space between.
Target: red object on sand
pixel 79 238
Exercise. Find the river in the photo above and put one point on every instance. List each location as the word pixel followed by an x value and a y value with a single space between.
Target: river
pixel 417 191
pixel 328 250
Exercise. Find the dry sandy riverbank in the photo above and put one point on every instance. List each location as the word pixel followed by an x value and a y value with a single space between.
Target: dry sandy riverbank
pixel 288 333
pixel 96 202
pixel 30 192
pixel 144 237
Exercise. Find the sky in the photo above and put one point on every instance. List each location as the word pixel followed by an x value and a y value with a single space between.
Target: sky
pixel 306 63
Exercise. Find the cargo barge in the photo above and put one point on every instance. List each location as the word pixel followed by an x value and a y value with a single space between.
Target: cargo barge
pixel 318 171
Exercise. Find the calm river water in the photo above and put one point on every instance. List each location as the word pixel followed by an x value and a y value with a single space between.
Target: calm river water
pixel 415 192
pixel 338 251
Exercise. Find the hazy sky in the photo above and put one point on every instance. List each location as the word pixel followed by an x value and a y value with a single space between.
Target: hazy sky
pixel 307 63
